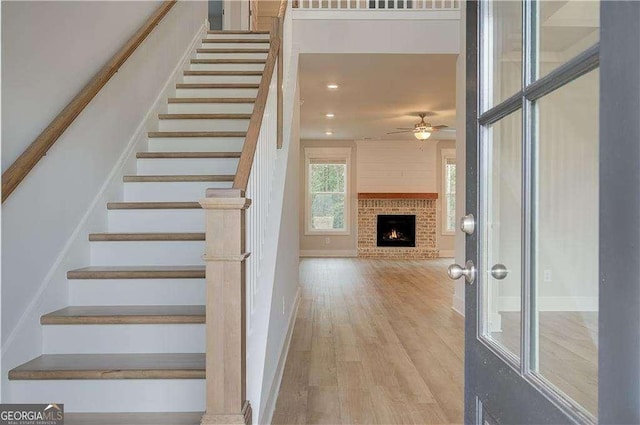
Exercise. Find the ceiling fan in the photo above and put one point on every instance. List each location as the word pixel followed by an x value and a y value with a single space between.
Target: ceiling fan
pixel 421 130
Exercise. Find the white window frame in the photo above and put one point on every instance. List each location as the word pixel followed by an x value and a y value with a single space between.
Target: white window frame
pixel 446 154
pixel 340 155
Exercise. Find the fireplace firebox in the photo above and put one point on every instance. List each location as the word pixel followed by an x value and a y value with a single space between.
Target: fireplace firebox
pixel 397 230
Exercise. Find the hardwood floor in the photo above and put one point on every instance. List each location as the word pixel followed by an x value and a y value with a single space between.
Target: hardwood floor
pixel 568 351
pixel 375 342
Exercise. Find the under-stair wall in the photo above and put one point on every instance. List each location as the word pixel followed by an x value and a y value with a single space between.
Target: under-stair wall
pixel 46 220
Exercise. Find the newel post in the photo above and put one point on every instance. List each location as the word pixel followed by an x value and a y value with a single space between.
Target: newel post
pixel 225 257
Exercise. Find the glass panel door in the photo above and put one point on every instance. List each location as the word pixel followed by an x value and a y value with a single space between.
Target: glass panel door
pixel 553 206
pixel 502 165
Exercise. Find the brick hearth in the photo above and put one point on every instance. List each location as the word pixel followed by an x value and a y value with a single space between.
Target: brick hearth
pixel 425 212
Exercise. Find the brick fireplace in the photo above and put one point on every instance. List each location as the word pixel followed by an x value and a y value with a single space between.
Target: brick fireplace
pixel 420 205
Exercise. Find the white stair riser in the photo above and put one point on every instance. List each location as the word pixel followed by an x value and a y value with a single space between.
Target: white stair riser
pixel 204 125
pixel 231 55
pixel 236 36
pixel 169 191
pixel 216 93
pixel 148 253
pixel 210 108
pixel 187 166
pixel 234 45
pixel 227 67
pixel 132 221
pixel 136 292
pixel 115 395
pixel 218 79
pixel 98 339
pixel 196 144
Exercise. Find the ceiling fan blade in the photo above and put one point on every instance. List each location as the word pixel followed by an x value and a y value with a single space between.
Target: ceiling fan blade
pixel 404 128
pixel 447 129
pixel 439 127
pixel 397 132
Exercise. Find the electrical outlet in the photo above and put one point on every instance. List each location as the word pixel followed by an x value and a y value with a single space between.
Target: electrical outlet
pixel 327 241
pixel 547 275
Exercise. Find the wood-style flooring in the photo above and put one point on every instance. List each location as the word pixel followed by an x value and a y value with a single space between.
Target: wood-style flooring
pixel 375 342
pixel 567 351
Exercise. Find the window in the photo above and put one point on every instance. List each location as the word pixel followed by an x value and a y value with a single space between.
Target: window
pixel 448 191
pixel 327 190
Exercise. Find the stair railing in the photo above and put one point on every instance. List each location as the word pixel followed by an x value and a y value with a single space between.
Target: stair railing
pixel 21 167
pixel 231 234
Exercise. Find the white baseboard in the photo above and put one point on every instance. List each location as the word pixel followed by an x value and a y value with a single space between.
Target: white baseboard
pixel 447 254
pixel 20 343
pixel 270 405
pixel 328 253
pixel 552 303
pixel 458 305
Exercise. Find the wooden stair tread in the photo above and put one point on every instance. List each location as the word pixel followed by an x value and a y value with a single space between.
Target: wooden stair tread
pixel 217 86
pixel 178 178
pixel 112 366
pixel 188 155
pixel 119 237
pixel 235 50
pixel 236 40
pixel 236 61
pixel 154 134
pixel 204 116
pixel 145 418
pixel 114 315
pixel 236 32
pixel 153 205
pixel 223 73
pixel 138 272
pixel 212 100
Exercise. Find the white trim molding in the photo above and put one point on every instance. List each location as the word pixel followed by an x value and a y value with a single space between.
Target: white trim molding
pixel 458 305
pixel 336 253
pixel 546 303
pixel 444 155
pixel 272 398
pixel 325 155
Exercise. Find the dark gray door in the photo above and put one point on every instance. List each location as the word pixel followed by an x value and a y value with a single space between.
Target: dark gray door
pixel 215 14
pixel 552 185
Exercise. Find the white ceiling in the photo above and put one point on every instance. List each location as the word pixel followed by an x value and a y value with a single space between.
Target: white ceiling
pixel 377 93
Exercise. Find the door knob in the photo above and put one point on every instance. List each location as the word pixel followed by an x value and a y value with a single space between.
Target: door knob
pixel 469 272
pixel 499 271
pixel 468 224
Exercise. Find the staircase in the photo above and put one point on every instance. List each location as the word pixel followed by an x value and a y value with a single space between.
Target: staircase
pixel 133 337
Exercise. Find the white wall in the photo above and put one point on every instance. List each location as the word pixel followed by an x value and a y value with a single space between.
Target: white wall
pixel 49 51
pixel 397 166
pixel 461 148
pixel 285 296
pixel 375 35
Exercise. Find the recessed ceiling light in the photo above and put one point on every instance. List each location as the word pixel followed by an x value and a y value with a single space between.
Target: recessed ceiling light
pixel 330 115
pixel 332 86
pixel 328 133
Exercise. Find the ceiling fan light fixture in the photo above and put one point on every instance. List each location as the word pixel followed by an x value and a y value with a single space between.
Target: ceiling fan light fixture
pixel 422 135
